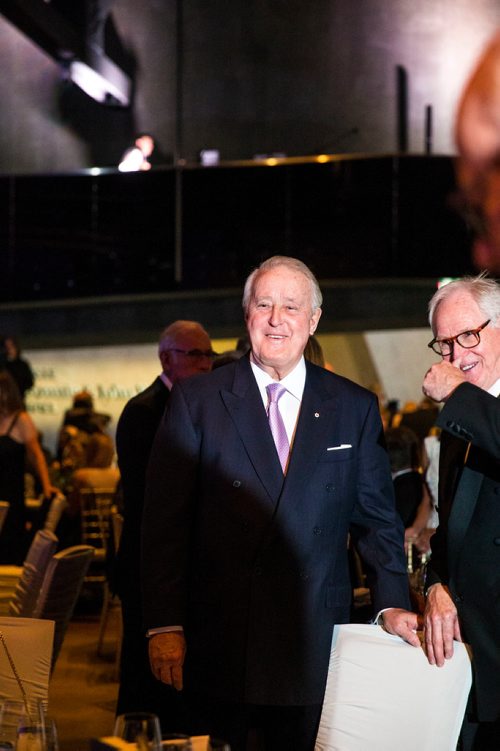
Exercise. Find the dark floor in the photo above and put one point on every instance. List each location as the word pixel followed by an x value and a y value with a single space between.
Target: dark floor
pixel 83 687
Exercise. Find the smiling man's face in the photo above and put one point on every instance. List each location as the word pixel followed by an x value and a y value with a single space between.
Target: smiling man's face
pixel 480 364
pixel 280 319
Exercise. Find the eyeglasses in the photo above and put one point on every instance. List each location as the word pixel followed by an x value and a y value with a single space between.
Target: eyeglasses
pixel 466 339
pixel 194 354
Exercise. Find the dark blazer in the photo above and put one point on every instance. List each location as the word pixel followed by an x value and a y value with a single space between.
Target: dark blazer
pixel 135 433
pixel 466 546
pixel 253 565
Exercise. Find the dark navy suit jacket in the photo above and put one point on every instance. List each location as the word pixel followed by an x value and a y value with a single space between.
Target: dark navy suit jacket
pixel 254 565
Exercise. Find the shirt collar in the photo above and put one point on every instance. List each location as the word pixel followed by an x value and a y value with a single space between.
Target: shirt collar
pixel 166 380
pixel 495 389
pixel 294 382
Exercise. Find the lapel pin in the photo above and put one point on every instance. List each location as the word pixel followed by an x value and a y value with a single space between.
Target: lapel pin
pixel 316 414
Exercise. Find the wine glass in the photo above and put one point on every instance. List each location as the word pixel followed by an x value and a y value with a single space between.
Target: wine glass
pixel 217 744
pixel 12 713
pixel 142 728
pixel 30 735
pixel 51 737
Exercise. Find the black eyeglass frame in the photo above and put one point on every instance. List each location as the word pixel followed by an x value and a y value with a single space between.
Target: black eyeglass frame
pixel 194 353
pixel 456 340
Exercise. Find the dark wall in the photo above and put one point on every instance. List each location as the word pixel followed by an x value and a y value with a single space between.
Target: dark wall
pixel 257 77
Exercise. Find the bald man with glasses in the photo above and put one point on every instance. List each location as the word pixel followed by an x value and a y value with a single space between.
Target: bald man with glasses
pixel 463 579
pixel 184 350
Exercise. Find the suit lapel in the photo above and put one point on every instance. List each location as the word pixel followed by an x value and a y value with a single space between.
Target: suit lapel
pixel 244 404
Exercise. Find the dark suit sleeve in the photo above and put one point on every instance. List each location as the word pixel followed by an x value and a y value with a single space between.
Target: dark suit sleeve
pixel 473 415
pixel 169 505
pixel 376 527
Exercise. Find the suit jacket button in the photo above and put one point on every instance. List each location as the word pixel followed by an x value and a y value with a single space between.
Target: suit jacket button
pixel 317 531
pixel 236 483
pixel 496 541
pixel 330 488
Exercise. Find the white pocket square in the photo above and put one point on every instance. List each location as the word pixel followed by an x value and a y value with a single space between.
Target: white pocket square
pixel 342 446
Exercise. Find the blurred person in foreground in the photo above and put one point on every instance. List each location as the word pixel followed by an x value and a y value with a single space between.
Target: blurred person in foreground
pixel 463 576
pixel 184 349
pixel 245 561
pixel 18 440
pixel 478 167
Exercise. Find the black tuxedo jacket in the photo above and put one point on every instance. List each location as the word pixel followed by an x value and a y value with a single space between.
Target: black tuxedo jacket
pixel 135 433
pixel 466 546
pixel 254 565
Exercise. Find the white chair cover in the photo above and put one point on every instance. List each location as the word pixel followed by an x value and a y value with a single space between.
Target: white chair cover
pixel 383 695
pixel 30 643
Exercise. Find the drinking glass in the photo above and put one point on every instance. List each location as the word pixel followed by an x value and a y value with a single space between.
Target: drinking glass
pixel 176 742
pixel 30 735
pixel 51 737
pixel 142 728
pixel 12 713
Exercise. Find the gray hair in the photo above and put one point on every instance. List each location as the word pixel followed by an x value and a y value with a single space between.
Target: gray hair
pixel 485 292
pixel 290 263
pixel 169 335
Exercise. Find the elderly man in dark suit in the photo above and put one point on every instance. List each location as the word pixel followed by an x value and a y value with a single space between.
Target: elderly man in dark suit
pixel 184 349
pixel 463 595
pixel 246 523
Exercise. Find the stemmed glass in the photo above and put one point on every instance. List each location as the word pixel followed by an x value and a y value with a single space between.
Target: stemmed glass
pixel 142 728
pixel 13 715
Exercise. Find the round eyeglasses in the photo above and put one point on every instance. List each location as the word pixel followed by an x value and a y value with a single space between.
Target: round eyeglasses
pixel 466 339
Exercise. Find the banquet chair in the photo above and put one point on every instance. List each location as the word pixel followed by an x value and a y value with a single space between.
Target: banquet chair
pixel 111 600
pixel 20 585
pixel 382 694
pixel 57 505
pixel 95 514
pixel 4 508
pixel 60 589
pixel 29 642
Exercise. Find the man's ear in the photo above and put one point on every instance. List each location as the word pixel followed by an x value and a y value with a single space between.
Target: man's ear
pixel 314 321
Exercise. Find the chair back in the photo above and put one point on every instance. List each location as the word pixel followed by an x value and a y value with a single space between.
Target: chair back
pixel 95 510
pixel 60 589
pixel 29 642
pixel 382 694
pixel 33 571
pixel 4 508
pixel 56 508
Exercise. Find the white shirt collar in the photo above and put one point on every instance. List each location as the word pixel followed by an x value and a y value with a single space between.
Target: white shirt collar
pixel 294 382
pixel 495 389
pixel 166 380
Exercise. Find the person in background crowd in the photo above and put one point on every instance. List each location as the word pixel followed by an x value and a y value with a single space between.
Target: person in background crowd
pixel 463 576
pixel 184 349
pixel 138 157
pixel 18 439
pixel 246 520
pixel 20 369
pixel 478 142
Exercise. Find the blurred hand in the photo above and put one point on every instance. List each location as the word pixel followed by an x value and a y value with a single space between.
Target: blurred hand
pixel 442 379
pixel 402 623
pixel 166 657
pixel 441 625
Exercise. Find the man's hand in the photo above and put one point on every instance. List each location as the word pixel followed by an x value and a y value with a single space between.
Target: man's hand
pixel 441 625
pixel 442 379
pixel 402 623
pixel 166 657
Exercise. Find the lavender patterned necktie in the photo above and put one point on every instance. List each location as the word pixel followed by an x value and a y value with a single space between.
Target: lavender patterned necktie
pixel 274 392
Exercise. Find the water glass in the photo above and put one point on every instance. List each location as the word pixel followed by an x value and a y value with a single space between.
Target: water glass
pixel 142 728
